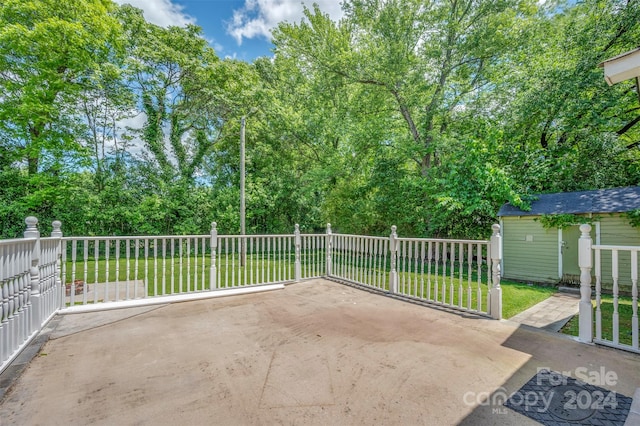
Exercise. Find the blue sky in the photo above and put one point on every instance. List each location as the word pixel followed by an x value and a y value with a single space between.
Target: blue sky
pixel 235 28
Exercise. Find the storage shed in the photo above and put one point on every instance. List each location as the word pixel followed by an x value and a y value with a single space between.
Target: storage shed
pixel 534 253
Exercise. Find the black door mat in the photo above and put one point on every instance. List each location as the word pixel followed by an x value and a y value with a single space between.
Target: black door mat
pixel 554 399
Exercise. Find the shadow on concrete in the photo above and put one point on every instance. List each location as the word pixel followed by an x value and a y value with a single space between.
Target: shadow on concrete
pixel 616 372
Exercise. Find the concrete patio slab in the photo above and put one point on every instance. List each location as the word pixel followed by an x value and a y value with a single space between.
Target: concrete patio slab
pixel 316 352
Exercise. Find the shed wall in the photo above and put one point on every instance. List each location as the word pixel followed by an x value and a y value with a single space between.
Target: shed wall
pixel 530 252
pixel 616 230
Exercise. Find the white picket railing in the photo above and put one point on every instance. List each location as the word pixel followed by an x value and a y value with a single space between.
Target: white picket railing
pixel 30 279
pixel 459 274
pixel 624 273
pixel 360 260
pixel 450 272
pixel 43 276
pixel 113 269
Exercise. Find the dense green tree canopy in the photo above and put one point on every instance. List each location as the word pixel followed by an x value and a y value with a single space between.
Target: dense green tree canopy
pixel 425 115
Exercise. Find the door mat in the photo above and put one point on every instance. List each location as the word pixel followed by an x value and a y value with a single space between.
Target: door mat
pixel 554 399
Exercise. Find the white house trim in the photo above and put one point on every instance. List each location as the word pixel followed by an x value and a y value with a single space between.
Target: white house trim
pixel 560 242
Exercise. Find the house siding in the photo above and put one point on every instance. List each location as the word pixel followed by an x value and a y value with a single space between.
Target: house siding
pixel 615 229
pixel 530 252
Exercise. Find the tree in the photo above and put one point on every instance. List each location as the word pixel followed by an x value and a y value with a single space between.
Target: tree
pixel 426 59
pixel 49 54
pixel 565 129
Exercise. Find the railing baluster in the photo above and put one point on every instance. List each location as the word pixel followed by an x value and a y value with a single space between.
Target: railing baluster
pixel 180 266
pixel 634 299
pixel 479 287
pixel 85 285
pixel 164 266
pixel 598 272
pixel 218 260
pixel 72 287
pixel 469 273
pixel 460 267
pixel 280 253
pixel 452 260
pixel 430 249
pixel 345 256
pixel 249 262
pixel 136 265
pixel 203 262
pixel 146 266
pixel 117 255
pixel 416 267
pixel 188 256
pixel 262 258
pixel 226 262
pixel 614 273
pixel 445 258
pixel 63 277
pixel 107 252
pixel 233 262
pixel 195 261
pixel 436 276
pixel 127 248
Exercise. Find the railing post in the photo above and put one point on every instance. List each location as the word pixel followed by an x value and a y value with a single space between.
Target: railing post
pixel 298 244
pixel 59 288
pixel 33 295
pixel 393 248
pixel 495 293
pixel 213 273
pixel 329 248
pixel 585 332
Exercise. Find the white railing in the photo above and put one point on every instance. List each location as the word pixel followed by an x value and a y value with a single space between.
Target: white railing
pixel 620 264
pixel 99 270
pixel 253 260
pixel 43 276
pixel 113 269
pixel 361 260
pixel 30 279
pixel 459 274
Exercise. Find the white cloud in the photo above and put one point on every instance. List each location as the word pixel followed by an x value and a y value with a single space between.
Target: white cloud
pixel 161 12
pixel 165 13
pixel 258 17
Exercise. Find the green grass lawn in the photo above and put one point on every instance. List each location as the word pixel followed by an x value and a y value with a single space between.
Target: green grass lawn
pixel 458 289
pixel 518 297
pixel 625 312
pixel 164 276
pixel 176 275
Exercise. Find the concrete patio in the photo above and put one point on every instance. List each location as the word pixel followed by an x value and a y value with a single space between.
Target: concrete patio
pixel 316 352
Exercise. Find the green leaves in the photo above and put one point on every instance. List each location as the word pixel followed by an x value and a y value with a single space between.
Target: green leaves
pixel 426 115
pixel 49 53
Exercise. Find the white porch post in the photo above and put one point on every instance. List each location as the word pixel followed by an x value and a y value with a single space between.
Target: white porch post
pixel 33 295
pixel 298 244
pixel 59 288
pixel 213 274
pixel 393 247
pixel 329 248
pixel 495 293
pixel 585 333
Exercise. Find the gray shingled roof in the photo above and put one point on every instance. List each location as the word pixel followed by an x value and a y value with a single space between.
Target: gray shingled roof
pixel 613 200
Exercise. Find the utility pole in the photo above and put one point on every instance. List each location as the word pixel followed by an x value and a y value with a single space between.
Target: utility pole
pixel 243 252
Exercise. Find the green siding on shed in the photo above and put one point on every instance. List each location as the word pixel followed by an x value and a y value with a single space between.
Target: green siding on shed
pixel 530 252
pixel 616 230
pixel 536 260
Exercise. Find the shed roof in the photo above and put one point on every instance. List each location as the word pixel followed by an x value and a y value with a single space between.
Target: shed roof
pixel 613 200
